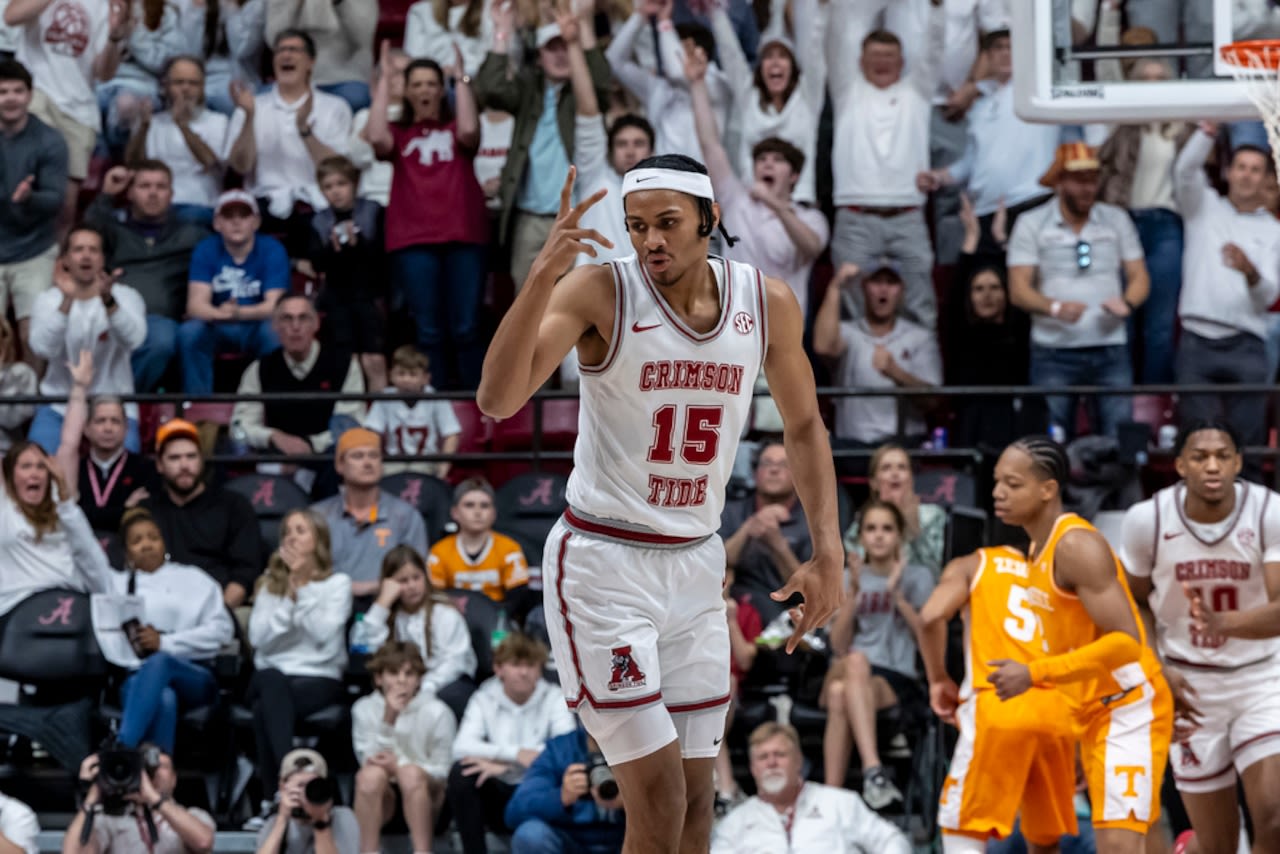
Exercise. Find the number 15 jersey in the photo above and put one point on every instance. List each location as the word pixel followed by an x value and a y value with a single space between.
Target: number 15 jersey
pixel 660 418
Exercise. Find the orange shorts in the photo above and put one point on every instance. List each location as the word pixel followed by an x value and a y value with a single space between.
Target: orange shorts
pixel 1124 747
pixel 1012 757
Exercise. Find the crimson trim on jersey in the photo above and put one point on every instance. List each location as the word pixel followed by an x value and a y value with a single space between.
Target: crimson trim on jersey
pixel 1217 668
pixel 763 302
pixel 674 319
pixel 1237 513
pixel 685 708
pixel 1178 777
pixel 619 300
pixel 583 693
pixel 602 529
pixel 1248 741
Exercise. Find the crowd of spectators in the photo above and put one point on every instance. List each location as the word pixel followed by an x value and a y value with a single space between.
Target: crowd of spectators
pixel 261 186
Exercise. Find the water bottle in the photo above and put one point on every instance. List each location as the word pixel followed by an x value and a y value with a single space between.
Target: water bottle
pixel 239 439
pixel 360 636
pixel 500 629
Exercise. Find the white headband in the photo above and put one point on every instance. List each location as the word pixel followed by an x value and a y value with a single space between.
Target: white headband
pixel 694 183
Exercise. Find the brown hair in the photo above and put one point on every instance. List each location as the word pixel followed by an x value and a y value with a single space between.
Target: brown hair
pixel 395 654
pixel 396 560
pixel 43 516
pixel 152 14
pixel 338 165
pixel 899 521
pixel 792 82
pixel 471 19
pixel 150 164
pixel 881 37
pixel 777 145
pixel 410 358
pixel 276 577
pixel 519 648
pixel 8 346
pixel 768 730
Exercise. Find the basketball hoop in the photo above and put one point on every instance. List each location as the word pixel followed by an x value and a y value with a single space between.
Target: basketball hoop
pixel 1256 64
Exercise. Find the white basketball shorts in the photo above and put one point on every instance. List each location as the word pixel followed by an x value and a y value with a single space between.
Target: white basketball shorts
pixel 1239 725
pixel 637 624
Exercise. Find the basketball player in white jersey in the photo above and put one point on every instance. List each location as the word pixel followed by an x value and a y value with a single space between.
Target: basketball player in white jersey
pixel 669 341
pixel 1214 538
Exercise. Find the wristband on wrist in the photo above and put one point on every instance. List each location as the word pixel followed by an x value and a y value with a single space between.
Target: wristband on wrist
pixel 160 801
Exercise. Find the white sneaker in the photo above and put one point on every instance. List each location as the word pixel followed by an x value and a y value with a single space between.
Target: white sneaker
pixel 878 790
pixel 256 823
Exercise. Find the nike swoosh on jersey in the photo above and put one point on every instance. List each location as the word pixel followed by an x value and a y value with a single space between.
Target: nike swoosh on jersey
pixel 636 327
pixel 1170 536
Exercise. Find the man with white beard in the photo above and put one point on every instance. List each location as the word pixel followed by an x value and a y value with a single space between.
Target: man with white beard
pixel 791 814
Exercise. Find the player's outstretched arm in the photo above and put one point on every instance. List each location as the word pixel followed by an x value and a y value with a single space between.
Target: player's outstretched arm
pixel 547 319
pixel 791 383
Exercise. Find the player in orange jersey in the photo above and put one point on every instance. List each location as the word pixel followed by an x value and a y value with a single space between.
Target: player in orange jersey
pixel 1012 756
pixel 1096 648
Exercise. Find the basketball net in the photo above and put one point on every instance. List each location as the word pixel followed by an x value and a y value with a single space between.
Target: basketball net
pixel 1255 65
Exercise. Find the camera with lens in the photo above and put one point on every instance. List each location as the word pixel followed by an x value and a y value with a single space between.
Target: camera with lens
pixel 318 792
pixel 600 777
pixel 120 771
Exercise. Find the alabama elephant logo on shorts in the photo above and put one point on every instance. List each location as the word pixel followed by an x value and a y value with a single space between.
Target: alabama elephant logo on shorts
pixel 625 673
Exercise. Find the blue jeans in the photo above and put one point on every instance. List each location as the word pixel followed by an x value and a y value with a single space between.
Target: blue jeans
pixel 443 287
pixel 200 340
pixel 198 214
pixel 151 361
pixel 46 431
pixel 354 92
pixel 535 836
pixel 1102 366
pixel 154 693
pixel 1160 231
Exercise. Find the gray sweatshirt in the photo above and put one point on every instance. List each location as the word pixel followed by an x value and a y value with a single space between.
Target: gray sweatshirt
pixel 27 227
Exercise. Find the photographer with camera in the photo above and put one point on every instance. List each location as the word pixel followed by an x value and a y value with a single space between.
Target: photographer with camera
pixel 128 807
pixel 307 822
pixel 567 802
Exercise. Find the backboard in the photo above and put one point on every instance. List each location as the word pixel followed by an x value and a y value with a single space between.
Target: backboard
pixel 1056 81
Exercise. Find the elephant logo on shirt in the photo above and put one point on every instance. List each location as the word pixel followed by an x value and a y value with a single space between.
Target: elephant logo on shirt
pixel 68 34
pixel 433 146
pixel 624 672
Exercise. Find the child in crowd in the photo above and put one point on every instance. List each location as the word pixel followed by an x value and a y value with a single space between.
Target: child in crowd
pixel 403 738
pixel 874 637
pixel 410 428
pixel 507 722
pixel 409 609
pixel 478 557
pixel 346 247
pixel 16 378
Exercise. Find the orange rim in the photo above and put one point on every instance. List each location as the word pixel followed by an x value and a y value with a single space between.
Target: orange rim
pixel 1255 53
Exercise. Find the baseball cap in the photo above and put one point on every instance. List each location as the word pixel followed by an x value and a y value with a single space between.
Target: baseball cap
pixel 176 428
pixel 236 197
pixel 546 34
pixel 302 759
pixel 357 437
